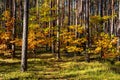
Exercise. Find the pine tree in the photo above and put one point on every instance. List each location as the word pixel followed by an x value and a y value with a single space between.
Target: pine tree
pixel 25 36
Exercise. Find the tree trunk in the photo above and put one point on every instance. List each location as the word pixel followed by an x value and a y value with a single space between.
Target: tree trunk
pixel 101 29
pixel 14 28
pixel 88 33
pixel 58 31
pixel 25 37
pixel 118 33
pixel 112 20
pixel 76 20
pixel 69 14
pixel 53 25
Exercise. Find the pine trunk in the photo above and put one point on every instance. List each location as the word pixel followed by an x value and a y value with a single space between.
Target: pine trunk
pixel 25 37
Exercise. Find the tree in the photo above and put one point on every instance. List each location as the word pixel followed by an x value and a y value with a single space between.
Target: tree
pixel 58 30
pixel 25 36
pixel 14 28
pixel 88 31
pixel 118 32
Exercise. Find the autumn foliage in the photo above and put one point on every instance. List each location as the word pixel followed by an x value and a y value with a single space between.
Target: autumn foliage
pixel 6 33
pixel 73 38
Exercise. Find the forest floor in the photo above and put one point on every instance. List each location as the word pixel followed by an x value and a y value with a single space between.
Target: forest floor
pixel 46 67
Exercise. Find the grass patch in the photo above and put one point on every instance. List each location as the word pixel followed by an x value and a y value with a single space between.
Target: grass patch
pixel 46 67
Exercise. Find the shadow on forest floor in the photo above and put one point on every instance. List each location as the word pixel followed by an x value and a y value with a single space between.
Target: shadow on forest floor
pixel 116 67
pixel 45 66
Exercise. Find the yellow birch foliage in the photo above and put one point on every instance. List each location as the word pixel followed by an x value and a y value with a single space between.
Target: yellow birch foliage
pixel 75 44
pixel 106 45
pixel 6 34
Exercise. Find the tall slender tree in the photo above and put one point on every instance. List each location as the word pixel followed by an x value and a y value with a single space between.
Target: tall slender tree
pixel 14 28
pixel 58 30
pixel 87 27
pixel 25 36
pixel 118 32
pixel 53 13
pixel 112 20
